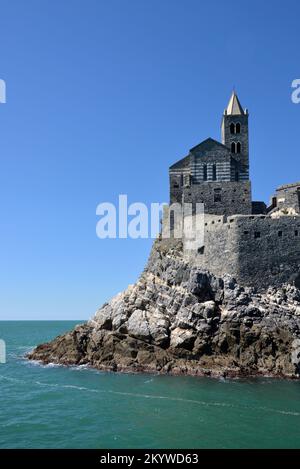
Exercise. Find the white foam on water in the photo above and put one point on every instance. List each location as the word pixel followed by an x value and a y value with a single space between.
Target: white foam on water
pixel 138 395
pixel 168 398
pixel 148 381
pixel 279 411
pixel 14 380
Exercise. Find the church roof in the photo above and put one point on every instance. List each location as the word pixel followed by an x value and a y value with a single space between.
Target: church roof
pixel 207 145
pixel 183 163
pixel 234 106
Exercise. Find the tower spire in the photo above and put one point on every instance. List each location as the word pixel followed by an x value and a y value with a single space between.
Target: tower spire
pixel 234 107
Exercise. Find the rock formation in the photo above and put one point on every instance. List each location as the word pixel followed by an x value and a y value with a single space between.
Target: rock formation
pixel 182 320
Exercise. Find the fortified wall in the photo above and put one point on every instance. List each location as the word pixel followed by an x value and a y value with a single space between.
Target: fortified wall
pixel 256 244
pixel 221 198
pixel 257 250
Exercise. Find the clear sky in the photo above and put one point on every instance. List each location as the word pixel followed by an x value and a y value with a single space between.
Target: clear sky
pixel 102 97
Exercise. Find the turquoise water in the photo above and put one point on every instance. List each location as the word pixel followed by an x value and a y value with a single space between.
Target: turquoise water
pixel 59 407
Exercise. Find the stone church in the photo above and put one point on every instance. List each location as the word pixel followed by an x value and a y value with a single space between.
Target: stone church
pixel 258 244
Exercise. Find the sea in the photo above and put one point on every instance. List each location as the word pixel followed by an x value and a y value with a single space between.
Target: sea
pixel 77 407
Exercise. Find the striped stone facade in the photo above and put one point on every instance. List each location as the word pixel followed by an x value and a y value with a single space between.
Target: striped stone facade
pixel 215 173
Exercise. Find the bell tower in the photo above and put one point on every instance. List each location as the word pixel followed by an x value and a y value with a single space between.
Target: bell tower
pixel 235 135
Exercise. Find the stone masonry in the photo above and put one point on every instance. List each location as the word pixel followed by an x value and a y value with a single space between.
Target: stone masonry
pixel 256 244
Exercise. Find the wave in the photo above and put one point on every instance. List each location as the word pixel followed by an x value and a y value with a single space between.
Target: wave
pixel 279 411
pixel 148 381
pixel 148 396
pixel 14 380
pixel 40 364
pixel 168 398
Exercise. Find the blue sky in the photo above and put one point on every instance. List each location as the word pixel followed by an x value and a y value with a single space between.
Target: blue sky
pixel 102 97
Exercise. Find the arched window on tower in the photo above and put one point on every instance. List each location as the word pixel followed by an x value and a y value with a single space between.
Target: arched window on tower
pixel 238 128
pixel 205 172
pixel 214 172
pixel 233 147
pixel 238 147
pixel 232 128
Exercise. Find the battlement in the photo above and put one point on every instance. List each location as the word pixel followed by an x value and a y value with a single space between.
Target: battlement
pixel 289 186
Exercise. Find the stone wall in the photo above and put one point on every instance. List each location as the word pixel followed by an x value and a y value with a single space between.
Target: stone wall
pixel 268 249
pixel 219 157
pixel 242 137
pixel 221 198
pixel 259 208
pixel 257 250
pixel 287 196
pixel 218 253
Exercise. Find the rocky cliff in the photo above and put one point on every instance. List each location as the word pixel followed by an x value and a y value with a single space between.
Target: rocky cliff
pixel 181 320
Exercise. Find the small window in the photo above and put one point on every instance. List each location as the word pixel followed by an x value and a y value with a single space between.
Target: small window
pixel 187 180
pixel 237 176
pixel 280 234
pixel 238 147
pixel 201 250
pixel 246 232
pixel 175 185
pixel 238 128
pixel 233 147
pixel 232 128
pixel 257 234
pixel 205 173
pixel 214 172
pixel 296 232
pixel 217 195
